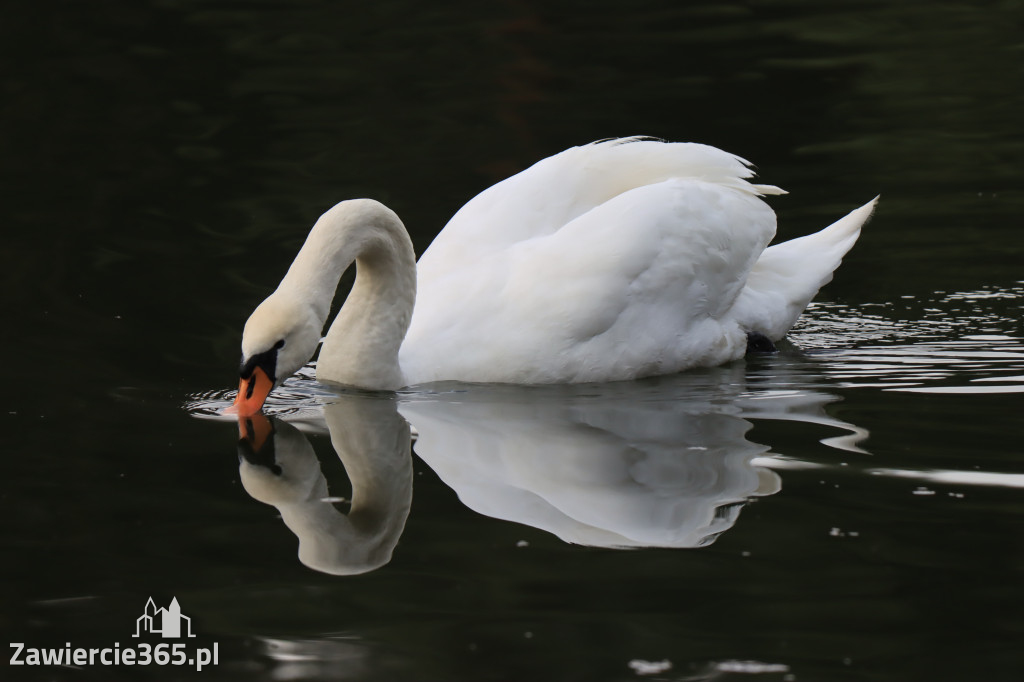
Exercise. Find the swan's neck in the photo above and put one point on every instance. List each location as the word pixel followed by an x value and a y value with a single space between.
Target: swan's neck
pixel 361 348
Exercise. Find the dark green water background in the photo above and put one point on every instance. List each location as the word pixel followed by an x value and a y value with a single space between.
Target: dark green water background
pixel 162 160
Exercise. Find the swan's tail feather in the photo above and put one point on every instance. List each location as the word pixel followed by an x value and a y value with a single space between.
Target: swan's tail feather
pixel 788 275
pixel 768 189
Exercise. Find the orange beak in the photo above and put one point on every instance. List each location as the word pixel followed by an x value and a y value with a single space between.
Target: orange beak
pixel 252 393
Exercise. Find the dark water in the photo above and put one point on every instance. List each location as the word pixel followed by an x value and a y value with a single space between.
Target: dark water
pixel 849 509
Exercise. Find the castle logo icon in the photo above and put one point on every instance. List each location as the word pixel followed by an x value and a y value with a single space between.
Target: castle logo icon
pixel 166 622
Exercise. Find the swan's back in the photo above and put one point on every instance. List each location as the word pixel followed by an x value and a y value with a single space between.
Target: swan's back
pixel 546 196
pixel 611 261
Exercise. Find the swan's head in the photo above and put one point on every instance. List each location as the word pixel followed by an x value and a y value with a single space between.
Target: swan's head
pixel 280 336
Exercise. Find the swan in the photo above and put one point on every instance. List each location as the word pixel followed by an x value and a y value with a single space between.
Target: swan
pixel 614 260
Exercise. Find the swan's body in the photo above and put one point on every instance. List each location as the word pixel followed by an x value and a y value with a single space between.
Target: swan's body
pixel 611 261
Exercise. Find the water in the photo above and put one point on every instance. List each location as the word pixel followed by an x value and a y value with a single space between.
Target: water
pixel 848 509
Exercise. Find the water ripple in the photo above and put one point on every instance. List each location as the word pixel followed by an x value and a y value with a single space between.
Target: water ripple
pixel 958 343
pixel 298 398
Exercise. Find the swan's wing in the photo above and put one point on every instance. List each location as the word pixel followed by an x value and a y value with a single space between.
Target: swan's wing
pixel 544 198
pixel 639 285
pixel 788 275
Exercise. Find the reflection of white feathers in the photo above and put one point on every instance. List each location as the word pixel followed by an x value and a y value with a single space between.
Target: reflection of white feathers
pixel 595 486
pixel 635 466
pixel 658 463
pixel 373 443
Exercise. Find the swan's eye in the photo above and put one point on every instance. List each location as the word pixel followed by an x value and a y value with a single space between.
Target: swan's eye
pixel 279 344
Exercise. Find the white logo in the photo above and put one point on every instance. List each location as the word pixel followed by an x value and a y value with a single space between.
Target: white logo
pixel 166 622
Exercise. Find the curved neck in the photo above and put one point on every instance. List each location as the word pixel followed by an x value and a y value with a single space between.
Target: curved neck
pixel 361 348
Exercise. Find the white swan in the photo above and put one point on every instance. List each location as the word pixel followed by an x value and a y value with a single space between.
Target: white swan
pixel 615 260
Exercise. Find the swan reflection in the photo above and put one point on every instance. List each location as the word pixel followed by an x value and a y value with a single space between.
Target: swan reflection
pixel 278 466
pixel 657 463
